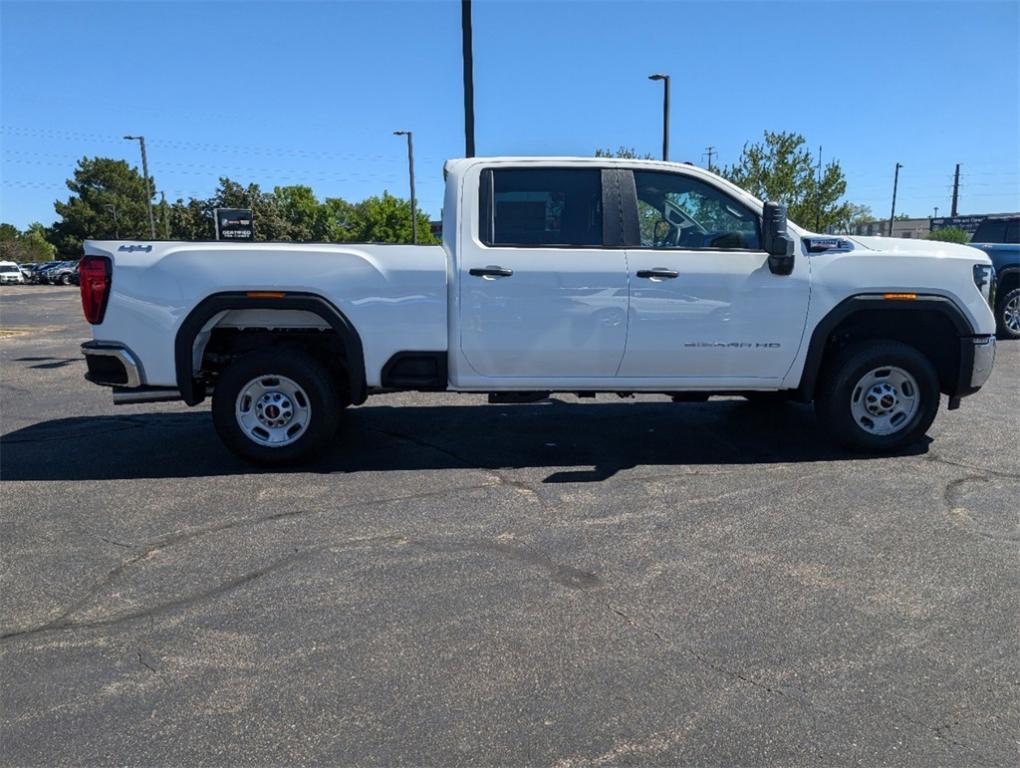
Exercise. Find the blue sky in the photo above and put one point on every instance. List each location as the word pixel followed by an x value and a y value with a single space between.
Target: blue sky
pixel 301 92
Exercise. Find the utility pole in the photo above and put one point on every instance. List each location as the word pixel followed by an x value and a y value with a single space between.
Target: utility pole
pixel 936 212
pixel 710 150
pixel 469 79
pixel 410 170
pixel 116 224
pixel 818 192
pixel 956 189
pixel 665 112
pixel 166 216
pixel 148 183
pixel 896 181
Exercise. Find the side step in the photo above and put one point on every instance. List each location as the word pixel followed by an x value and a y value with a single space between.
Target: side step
pixel 128 396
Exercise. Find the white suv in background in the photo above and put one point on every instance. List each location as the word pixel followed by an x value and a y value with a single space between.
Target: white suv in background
pixel 10 273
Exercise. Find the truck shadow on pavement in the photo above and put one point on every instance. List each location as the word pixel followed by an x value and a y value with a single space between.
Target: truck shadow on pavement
pixel 598 439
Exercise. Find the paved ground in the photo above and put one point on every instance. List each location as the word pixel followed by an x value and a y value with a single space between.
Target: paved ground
pixel 563 584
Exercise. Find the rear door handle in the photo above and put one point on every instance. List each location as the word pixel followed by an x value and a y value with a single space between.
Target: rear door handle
pixel 491 271
pixel 660 272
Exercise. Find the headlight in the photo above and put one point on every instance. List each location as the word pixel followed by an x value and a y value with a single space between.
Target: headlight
pixel 984 279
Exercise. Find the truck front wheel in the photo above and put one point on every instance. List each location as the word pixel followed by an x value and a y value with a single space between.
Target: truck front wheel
pixel 878 396
pixel 276 407
pixel 1007 314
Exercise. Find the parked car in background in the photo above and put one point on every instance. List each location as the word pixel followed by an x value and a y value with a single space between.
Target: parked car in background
pixel 999 237
pixel 65 273
pixel 43 269
pixel 10 273
pixel 31 271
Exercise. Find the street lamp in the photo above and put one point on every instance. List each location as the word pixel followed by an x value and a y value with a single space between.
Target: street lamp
pixel 665 112
pixel 116 224
pixel 410 170
pixel 148 184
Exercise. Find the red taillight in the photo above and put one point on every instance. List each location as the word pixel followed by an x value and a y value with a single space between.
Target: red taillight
pixel 94 279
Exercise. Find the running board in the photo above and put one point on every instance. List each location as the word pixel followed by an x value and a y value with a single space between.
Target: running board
pixel 129 396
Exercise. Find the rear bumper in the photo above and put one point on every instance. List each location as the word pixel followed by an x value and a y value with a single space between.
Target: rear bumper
pixel 112 365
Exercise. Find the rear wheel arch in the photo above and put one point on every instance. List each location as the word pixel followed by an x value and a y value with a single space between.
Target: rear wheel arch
pixel 193 391
pixel 933 325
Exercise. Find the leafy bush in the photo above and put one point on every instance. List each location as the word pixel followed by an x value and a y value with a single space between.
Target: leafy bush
pixel 950 235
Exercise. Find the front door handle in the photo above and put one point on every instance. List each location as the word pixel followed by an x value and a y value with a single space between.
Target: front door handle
pixel 658 272
pixel 490 272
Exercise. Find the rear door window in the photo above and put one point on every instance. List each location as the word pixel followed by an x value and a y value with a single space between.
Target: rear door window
pixel 541 206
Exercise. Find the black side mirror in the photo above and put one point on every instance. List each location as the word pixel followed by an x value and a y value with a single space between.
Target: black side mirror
pixel 777 241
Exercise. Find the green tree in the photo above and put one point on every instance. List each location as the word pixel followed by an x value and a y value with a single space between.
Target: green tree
pixel 949 235
pixel 853 217
pixel 782 169
pixel 190 220
pixel 335 220
pixel 30 245
pixel 628 153
pixel 100 184
pixel 387 219
pixel 300 209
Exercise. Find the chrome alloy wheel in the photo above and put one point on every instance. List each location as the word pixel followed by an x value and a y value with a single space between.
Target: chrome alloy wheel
pixel 1011 315
pixel 885 400
pixel 273 410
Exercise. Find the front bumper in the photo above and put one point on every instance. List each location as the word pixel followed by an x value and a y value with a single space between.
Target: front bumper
pixel 984 359
pixel 977 357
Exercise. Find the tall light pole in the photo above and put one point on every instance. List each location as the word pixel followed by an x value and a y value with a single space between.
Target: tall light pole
pixel 469 78
pixel 148 183
pixel 116 224
pixel 896 182
pixel 410 171
pixel 665 112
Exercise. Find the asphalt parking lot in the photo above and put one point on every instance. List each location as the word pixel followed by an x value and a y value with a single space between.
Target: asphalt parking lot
pixel 568 584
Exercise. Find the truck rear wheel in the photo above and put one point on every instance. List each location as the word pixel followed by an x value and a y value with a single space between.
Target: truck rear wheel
pixel 1007 314
pixel 276 407
pixel 878 396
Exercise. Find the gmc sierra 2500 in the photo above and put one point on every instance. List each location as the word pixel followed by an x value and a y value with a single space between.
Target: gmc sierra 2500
pixel 555 274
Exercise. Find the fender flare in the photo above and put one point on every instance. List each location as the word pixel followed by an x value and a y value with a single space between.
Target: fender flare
pixel 193 394
pixel 871 302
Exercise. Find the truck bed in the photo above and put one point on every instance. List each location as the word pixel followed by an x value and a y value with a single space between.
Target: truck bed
pixel 156 284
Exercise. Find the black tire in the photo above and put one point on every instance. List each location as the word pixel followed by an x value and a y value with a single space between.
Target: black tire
pixel 316 384
pixel 1005 304
pixel 65 279
pixel 838 389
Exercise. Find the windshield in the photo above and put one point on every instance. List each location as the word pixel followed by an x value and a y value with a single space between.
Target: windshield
pixel 8 268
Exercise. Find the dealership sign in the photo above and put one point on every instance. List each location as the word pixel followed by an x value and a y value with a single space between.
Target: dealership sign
pixel 968 224
pixel 234 224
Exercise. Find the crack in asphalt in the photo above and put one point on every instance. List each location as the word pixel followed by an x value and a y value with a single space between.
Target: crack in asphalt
pixel 501 478
pixel 934 457
pixel 62 623
pixel 566 575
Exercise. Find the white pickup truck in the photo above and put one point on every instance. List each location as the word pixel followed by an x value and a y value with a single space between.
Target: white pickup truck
pixel 574 275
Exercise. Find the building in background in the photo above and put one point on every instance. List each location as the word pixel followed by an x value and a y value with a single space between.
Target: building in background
pixel 919 228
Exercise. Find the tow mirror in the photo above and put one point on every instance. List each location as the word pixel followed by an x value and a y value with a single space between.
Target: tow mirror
pixel 778 242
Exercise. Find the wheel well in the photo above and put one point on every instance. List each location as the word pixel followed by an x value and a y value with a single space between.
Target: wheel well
pixel 225 325
pixel 227 344
pixel 1007 282
pixel 932 332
